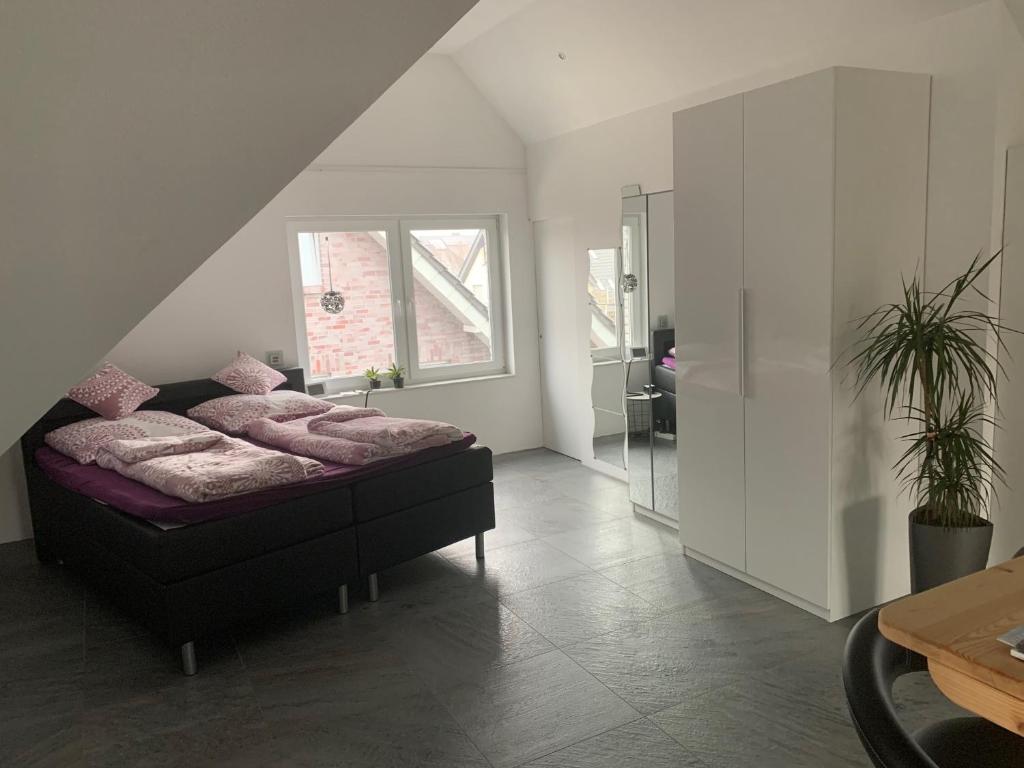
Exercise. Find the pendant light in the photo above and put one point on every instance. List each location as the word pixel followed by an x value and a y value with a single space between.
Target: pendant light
pixel 332 301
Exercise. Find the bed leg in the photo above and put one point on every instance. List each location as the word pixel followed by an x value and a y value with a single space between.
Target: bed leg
pixel 188 658
pixel 374 591
pixel 343 598
pixel 480 546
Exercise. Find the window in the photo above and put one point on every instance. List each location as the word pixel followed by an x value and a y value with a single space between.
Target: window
pixel 422 293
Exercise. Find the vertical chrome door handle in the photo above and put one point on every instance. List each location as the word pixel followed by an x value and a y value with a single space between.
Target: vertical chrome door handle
pixel 742 358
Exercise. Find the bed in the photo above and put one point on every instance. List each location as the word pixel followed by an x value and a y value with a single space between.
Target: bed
pixel 259 552
pixel 663 377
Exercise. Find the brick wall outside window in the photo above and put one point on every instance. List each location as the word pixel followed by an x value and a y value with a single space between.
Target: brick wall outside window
pixel 361 336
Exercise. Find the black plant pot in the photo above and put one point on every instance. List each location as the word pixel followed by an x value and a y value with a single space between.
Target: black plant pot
pixel 399 382
pixel 374 383
pixel 939 555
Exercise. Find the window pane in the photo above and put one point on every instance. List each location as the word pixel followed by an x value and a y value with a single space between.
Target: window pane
pixel 362 334
pixel 603 305
pixel 451 289
pixel 309 263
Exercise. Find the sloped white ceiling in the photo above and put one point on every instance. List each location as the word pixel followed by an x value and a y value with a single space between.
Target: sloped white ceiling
pixel 138 137
pixel 621 56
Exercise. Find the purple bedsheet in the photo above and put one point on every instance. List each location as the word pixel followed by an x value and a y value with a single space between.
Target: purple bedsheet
pixel 140 500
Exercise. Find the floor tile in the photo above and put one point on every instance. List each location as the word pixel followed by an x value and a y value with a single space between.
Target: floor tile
pixel 616 542
pixel 672 581
pixel 537 460
pixel 784 719
pixel 556 515
pixel 138 709
pixel 520 566
pixel 579 608
pixel 355 709
pixel 525 710
pixel 40 722
pixel 659 663
pixel 462 641
pixel 640 744
pixel 523 491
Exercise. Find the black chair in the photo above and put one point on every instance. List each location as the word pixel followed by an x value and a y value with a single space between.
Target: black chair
pixel 870 667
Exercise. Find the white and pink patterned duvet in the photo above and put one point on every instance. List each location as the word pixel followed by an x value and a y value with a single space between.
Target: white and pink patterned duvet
pixel 347 435
pixel 204 467
pixel 370 425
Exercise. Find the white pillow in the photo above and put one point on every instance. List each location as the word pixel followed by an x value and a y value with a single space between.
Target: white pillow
pixel 234 413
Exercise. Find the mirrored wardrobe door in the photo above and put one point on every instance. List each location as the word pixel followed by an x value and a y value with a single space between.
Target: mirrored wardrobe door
pixel 663 362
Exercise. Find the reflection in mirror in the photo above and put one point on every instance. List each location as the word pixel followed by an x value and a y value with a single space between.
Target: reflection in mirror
pixel 607 382
pixel 648 252
pixel 662 315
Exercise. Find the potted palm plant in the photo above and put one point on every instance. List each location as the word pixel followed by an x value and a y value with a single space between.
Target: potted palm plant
pixel 397 375
pixel 373 376
pixel 930 355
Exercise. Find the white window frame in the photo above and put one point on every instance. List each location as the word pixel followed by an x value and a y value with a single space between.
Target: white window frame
pixel 397 231
pixel 495 312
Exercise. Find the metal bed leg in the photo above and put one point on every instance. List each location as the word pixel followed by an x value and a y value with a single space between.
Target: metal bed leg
pixel 188 658
pixel 343 598
pixel 374 591
pixel 480 546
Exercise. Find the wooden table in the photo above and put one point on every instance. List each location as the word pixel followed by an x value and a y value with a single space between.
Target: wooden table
pixel 955 626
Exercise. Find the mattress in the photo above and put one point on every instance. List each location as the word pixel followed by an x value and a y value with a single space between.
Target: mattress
pixel 138 500
pixel 665 378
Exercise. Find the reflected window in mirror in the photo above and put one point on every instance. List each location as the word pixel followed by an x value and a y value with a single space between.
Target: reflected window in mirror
pixel 603 295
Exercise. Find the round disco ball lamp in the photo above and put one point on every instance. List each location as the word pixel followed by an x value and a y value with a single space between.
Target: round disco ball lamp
pixel 332 302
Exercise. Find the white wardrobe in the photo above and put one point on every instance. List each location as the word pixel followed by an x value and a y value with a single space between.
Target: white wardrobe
pixel 797 206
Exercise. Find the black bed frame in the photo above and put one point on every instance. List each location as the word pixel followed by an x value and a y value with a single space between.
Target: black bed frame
pixel 188 582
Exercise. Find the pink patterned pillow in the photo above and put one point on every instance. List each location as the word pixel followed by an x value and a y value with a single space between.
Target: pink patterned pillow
pixel 234 413
pixel 249 376
pixel 83 439
pixel 111 392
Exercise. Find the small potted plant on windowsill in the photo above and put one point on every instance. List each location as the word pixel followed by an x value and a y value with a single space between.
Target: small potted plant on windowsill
pixel 931 356
pixel 373 376
pixel 397 375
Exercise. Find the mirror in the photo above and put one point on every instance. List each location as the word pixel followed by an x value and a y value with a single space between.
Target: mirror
pixel 648 250
pixel 661 278
pixel 607 371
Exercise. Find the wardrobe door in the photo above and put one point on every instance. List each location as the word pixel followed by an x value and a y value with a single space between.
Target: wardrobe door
pixel 788 250
pixel 708 158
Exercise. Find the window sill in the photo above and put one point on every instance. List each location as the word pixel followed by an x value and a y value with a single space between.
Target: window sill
pixel 424 385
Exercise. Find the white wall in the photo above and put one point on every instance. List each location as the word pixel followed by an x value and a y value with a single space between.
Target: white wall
pixel 451 155
pixel 576 177
pixel 1007 512
pixel 138 137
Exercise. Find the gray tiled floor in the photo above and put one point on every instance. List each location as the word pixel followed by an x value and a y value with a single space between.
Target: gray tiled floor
pixel 584 639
